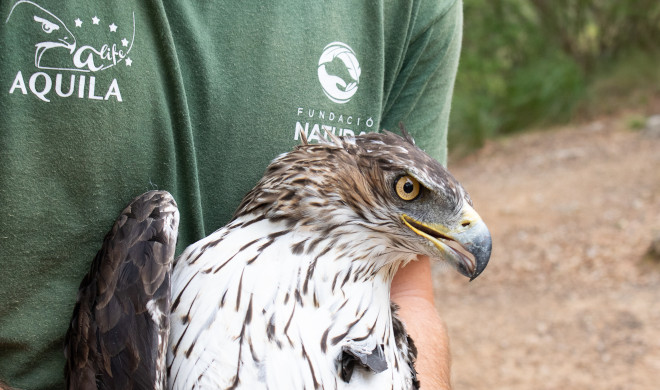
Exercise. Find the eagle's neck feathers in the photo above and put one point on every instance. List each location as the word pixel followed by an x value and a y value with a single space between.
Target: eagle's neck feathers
pixel 287 287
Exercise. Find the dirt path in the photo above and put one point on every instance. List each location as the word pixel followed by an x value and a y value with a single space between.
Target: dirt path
pixel 567 301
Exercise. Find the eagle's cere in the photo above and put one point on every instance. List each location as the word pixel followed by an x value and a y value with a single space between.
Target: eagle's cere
pixel 294 292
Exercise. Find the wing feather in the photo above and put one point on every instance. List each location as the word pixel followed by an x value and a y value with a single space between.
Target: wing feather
pixel 121 318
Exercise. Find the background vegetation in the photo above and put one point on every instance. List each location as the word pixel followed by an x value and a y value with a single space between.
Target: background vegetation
pixel 530 63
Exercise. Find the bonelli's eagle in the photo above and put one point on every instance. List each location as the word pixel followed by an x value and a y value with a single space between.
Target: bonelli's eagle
pixel 293 293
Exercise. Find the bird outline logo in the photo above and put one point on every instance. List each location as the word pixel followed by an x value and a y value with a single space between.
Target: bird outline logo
pixel 339 85
pixel 59 39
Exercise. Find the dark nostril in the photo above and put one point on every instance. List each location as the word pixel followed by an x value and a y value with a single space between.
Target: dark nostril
pixel 465 224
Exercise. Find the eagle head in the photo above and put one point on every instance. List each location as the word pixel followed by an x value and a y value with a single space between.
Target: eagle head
pixel 399 200
pixel 55 34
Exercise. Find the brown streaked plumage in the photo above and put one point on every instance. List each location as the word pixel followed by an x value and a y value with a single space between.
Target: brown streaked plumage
pixel 294 291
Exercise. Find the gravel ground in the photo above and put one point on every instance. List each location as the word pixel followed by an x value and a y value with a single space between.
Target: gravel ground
pixel 569 300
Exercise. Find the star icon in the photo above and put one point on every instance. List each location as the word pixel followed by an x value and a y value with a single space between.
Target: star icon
pixel 78 22
pixel 113 27
pixel 96 20
pixel 124 42
pixel 129 61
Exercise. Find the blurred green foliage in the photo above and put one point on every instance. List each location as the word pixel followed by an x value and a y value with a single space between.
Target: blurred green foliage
pixel 528 63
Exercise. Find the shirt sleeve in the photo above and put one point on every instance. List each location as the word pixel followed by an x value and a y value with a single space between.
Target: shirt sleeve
pixel 421 94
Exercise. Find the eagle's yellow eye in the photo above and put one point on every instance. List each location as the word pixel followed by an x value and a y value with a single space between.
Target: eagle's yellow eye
pixel 407 187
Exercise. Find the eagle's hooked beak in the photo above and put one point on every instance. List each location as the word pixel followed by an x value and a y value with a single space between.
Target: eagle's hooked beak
pixel 467 246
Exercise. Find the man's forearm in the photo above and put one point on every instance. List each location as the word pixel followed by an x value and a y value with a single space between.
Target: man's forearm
pixel 429 333
pixel 412 290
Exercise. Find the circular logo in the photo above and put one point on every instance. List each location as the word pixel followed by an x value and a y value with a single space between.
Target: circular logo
pixel 339 72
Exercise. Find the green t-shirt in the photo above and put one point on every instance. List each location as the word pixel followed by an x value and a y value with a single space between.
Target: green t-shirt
pixel 103 100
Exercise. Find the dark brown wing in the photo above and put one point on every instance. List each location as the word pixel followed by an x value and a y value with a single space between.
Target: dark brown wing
pixel 118 332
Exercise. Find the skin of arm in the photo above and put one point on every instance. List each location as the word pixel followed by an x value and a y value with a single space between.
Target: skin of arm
pixel 412 290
